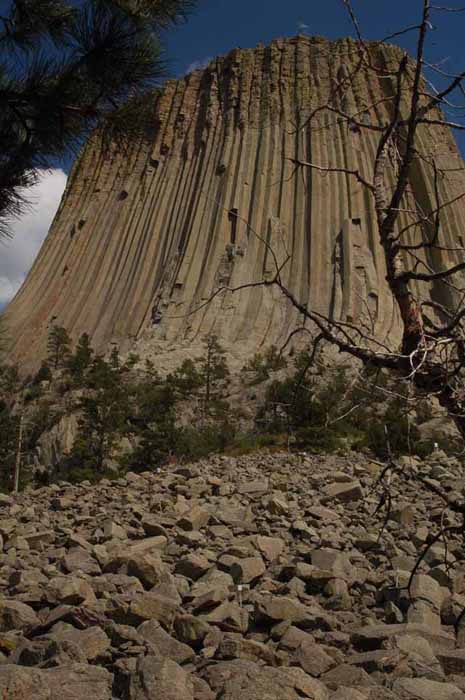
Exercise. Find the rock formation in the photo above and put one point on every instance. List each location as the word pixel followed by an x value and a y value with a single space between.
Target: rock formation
pixel 144 238
pixel 264 577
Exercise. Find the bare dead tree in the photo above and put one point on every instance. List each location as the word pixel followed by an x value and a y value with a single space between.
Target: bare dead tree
pixel 432 355
pixel 432 352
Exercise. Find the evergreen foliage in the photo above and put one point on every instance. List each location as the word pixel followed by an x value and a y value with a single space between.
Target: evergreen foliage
pixel 43 374
pixel 259 367
pixel 81 360
pixel 68 67
pixel 8 444
pixel 58 346
pixel 331 412
pixel 153 425
pixel 103 414
pixel 120 405
pixel 214 372
pixel 186 379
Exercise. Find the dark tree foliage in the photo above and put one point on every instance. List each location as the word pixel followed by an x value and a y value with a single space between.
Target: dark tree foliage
pixel 58 346
pixel 43 374
pixel 327 412
pixel 153 425
pixel 213 372
pixel 186 379
pixel 104 412
pixel 8 445
pixel 67 67
pixel 81 359
pixel 259 367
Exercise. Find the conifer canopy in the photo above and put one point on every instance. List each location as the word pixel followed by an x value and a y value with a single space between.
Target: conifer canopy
pixel 66 67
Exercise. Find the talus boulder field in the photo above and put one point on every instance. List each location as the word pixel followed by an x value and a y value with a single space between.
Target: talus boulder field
pixel 92 604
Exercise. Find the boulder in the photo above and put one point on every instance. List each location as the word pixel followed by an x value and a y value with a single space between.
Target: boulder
pixel 195 519
pixel 423 689
pixel 151 631
pixel 15 615
pixel 160 679
pixel 245 680
pixel 343 493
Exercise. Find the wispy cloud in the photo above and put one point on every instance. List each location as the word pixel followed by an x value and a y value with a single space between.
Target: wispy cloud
pixel 17 254
pixel 198 65
pixel 302 27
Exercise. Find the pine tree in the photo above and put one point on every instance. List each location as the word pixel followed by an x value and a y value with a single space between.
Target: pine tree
pixel 67 67
pixel 104 410
pixel 186 379
pixel 9 423
pixel 213 370
pixel 58 346
pixel 154 425
pixel 81 359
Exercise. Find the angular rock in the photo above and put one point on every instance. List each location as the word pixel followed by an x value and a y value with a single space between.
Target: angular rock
pixel 270 547
pixel 170 647
pixel 195 519
pixel 247 570
pixel 160 679
pixel 343 493
pixel 70 590
pixel 313 659
pixel 72 682
pixel 426 588
pixel 422 689
pixel 193 566
pixel 277 608
pixel 191 630
pixel 93 641
pixel 15 615
pixel 229 617
pixel 148 568
pixel 245 680
pixel 78 559
pixel 148 606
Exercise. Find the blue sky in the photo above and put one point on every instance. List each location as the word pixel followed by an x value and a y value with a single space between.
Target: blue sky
pixel 216 27
pixel 220 25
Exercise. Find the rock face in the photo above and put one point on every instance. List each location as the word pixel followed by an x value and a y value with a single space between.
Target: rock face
pixel 142 239
pixel 256 608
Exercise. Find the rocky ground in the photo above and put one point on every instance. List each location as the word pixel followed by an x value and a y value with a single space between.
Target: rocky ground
pixel 258 578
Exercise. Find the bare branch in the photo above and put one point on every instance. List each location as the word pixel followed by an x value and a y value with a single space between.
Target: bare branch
pixel 327 169
pixel 431 276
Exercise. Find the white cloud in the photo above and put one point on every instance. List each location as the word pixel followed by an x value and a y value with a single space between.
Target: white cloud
pixel 302 27
pixel 197 65
pixel 17 254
